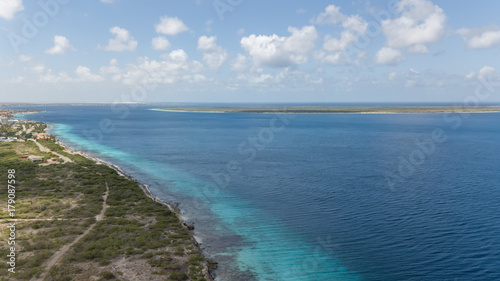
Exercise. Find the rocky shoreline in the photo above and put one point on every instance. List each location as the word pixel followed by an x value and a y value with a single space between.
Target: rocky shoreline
pixel 210 265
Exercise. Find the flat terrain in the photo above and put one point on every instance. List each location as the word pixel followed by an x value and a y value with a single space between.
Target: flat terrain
pixel 80 220
pixel 338 109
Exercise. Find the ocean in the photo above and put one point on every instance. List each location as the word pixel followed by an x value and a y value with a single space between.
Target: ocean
pixel 313 196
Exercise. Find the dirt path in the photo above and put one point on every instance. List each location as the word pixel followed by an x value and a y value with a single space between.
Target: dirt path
pixel 55 258
pixel 44 149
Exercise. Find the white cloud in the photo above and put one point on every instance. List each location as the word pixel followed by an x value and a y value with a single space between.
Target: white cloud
pixel 388 56
pixel 354 26
pixel 61 44
pixel 172 68
pixel 336 58
pixel 123 41
pixel 427 79
pixel 334 48
pixel 170 26
pixel 240 63
pixel 108 1
pixel 331 15
pixel 112 69
pixel 276 51
pixel 482 38
pixel 38 68
pixel 470 75
pixel 485 72
pixel 160 43
pixel 49 77
pixel 421 23
pixel 24 58
pixel 8 8
pixel 213 55
pixel 207 43
pixel 289 78
pixel 84 74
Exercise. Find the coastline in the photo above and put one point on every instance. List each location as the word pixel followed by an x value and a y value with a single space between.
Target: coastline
pixel 210 265
pixel 99 161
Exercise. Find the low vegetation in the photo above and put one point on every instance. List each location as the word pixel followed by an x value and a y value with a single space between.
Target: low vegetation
pixel 137 239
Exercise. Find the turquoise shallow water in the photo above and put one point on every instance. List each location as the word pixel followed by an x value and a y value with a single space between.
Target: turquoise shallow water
pixel 312 201
pixel 261 256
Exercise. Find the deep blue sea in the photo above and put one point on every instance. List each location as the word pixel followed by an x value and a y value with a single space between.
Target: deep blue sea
pixel 314 196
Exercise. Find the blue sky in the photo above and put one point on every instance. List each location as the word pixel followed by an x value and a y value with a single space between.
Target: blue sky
pixel 248 51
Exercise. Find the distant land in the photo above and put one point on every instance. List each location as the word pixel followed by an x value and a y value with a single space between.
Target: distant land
pixel 338 109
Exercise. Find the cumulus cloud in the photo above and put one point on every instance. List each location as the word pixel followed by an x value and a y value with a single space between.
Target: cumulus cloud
pixel 470 75
pixel 173 67
pixel 289 77
pixel 354 26
pixel 112 69
pixel 331 15
pixel 170 26
pixel 388 56
pixel 84 74
pixel 421 23
pixel 61 44
pixel 160 43
pixel 240 63
pixel 334 47
pixel 8 8
pixel 123 41
pixel 38 68
pixel 276 51
pixel 50 77
pixel 213 55
pixel 485 72
pixel 481 38
pixel 339 58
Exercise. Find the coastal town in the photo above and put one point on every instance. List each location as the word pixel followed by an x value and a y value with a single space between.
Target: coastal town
pixel 15 130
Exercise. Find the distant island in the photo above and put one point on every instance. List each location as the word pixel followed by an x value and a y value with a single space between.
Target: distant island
pixel 337 109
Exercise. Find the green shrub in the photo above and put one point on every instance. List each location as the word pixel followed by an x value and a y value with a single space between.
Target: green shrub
pixel 178 276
